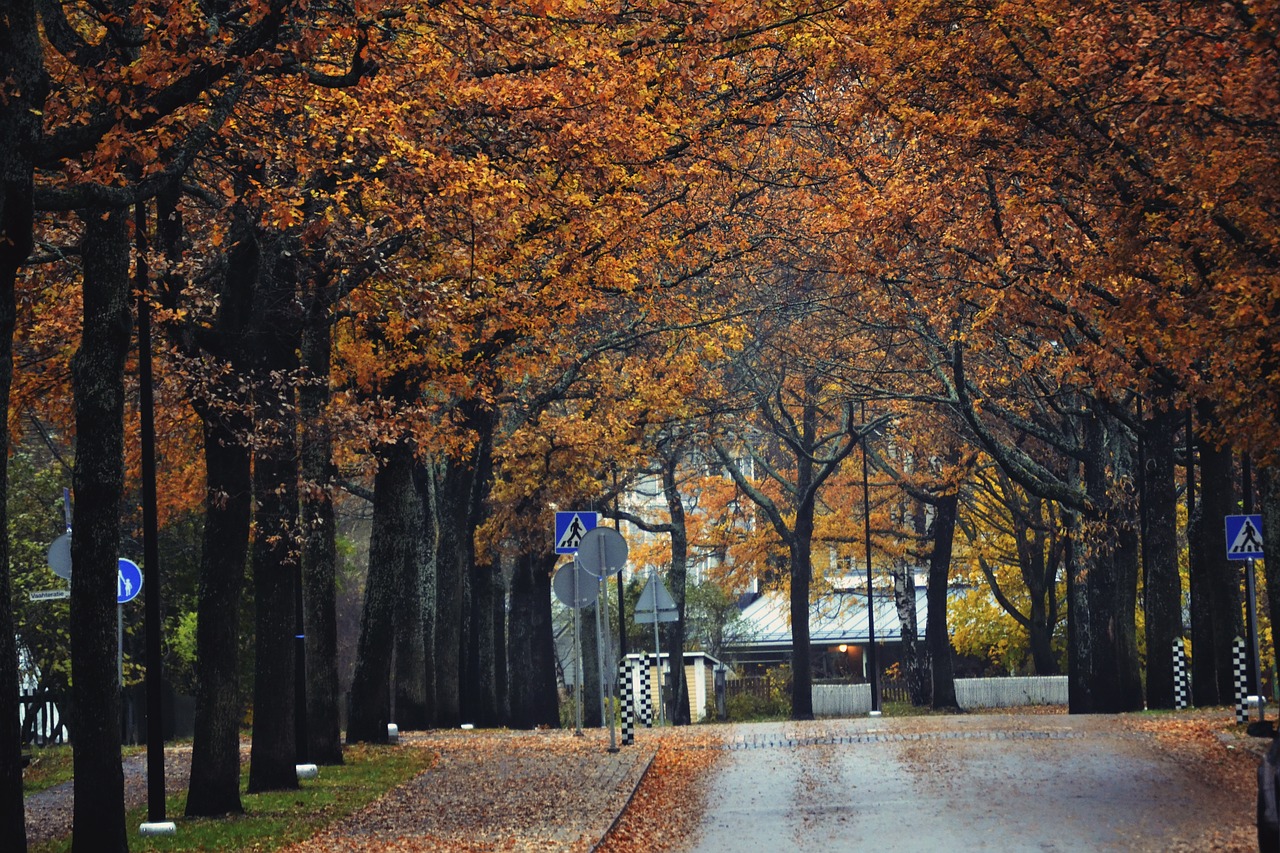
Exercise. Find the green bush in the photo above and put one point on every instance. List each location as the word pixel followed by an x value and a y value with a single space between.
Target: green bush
pixel 771 699
pixel 746 707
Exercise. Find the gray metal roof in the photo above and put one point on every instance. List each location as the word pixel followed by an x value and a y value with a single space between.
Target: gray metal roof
pixel 834 617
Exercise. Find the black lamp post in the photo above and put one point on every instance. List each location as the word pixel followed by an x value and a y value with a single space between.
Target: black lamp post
pixel 871 607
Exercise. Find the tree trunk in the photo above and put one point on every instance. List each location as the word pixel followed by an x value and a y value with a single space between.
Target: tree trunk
pixel 428 529
pixel 1040 638
pixel 1222 578
pixel 535 701
pixel 1204 681
pixel 915 652
pixel 677 578
pixel 801 578
pixel 391 548
pixel 1269 492
pixel 940 654
pixel 800 547
pixel 1162 587
pixel 1106 595
pixel 21 111
pixel 319 548
pixel 273 755
pixel 97 376
pixel 482 589
pixel 914 659
pixel 501 676
pixel 485 594
pixel 214 787
pixel 412 706
pixel 453 495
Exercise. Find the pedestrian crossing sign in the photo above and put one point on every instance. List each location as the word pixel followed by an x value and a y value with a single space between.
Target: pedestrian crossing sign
pixel 570 526
pixel 1244 537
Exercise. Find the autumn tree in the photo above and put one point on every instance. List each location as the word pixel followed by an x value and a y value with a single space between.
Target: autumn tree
pixel 22 73
pixel 1011 531
pixel 805 428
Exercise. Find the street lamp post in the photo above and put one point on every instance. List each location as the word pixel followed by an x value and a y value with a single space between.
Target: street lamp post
pixel 871 607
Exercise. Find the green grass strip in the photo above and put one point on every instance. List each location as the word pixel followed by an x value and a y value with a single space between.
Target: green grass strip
pixel 274 819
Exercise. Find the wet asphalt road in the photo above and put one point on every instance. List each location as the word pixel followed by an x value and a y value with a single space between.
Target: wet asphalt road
pixel 979 782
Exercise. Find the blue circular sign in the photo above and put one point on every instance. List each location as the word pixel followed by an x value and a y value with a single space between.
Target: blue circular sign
pixel 129 582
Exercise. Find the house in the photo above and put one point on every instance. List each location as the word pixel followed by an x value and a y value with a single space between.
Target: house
pixel 839 631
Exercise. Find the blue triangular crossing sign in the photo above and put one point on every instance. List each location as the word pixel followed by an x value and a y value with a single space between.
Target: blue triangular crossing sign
pixel 570 527
pixel 1244 537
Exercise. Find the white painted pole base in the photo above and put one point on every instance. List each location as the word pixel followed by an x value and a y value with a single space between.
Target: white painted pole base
pixel 161 827
pixel 873 713
pixel 306 771
pixel 393 733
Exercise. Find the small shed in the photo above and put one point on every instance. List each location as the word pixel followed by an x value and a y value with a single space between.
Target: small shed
pixel 699 674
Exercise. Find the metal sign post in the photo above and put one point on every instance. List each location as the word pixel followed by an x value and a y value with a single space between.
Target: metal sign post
pixel 656 605
pixel 603 552
pixel 1244 542
pixel 575 590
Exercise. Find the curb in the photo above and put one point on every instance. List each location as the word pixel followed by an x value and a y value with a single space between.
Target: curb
pixel 627 803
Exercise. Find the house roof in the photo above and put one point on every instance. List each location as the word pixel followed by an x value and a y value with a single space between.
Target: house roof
pixel 835 617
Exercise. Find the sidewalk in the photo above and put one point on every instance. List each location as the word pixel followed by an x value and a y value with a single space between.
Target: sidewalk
pixel 500 790
pixel 49 812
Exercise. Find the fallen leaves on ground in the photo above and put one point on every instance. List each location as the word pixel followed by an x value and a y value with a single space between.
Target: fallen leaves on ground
pixel 1211 747
pixel 497 790
pixel 668 805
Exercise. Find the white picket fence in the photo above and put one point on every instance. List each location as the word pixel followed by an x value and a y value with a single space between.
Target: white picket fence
pixel 849 700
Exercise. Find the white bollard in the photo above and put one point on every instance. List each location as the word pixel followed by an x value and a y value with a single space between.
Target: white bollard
pixel 393 733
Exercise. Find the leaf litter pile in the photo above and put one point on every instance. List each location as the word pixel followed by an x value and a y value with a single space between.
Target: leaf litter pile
pixel 1210 746
pixel 666 809
pixel 498 790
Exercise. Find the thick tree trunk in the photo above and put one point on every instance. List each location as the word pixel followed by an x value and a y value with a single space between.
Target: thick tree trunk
pixel 1269 492
pixel 501 638
pixel 21 112
pixel 391 548
pixel 215 754
pixel 428 558
pixel 535 701
pixel 941 662
pixel 801 582
pixel 1106 593
pixel 800 547
pixel 273 755
pixel 1162 587
pixel 12 811
pixel 482 590
pixel 412 703
pixel 214 787
pixel 1204 681
pixel 97 376
pixel 1222 578
pixel 486 593
pixel 452 499
pixel 915 659
pixel 319 548
pixel 677 579
pixel 1040 638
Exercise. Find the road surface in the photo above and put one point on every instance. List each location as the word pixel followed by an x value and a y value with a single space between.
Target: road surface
pixel 971 782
